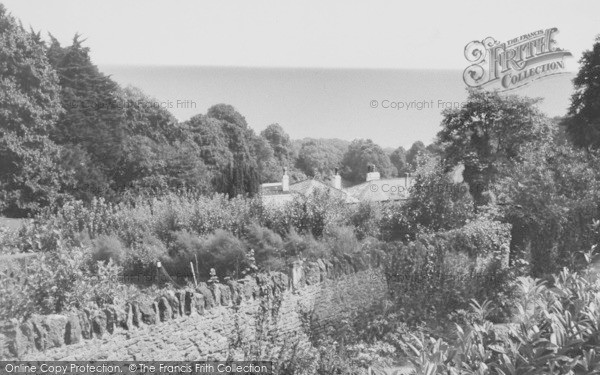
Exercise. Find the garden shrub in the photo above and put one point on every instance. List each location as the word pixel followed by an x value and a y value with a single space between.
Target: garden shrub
pixel 556 332
pixel 142 258
pixel 267 246
pixel 365 219
pixel 57 281
pixel 436 202
pixel 397 224
pixel 224 252
pixel 341 241
pixel 221 250
pixel 304 246
pixel 108 247
pixel 308 214
pixel 185 247
pixel 442 272
pixel 479 237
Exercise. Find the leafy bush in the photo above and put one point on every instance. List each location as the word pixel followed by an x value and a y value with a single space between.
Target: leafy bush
pixel 442 272
pixel 397 223
pixel 267 246
pixel 557 332
pixel 107 248
pixel 142 258
pixel 304 246
pixel 57 281
pixel 551 200
pixel 436 202
pixel 222 251
pixel 341 241
pixel 306 214
pixel 366 220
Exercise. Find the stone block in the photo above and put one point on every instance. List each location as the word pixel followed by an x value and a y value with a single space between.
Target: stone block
pixel 312 273
pixel 209 299
pixel 194 302
pixel 87 330
pixel 98 319
pixel 173 302
pixel 147 312
pixel 249 288
pixel 236 292
pixel 49 330
pixel 225 294
pixel 73 331
pixel 15 339
pixel 164 309
pixel 180 294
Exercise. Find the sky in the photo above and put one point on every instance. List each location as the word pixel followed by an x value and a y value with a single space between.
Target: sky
pixel 308 33
pixel 315 67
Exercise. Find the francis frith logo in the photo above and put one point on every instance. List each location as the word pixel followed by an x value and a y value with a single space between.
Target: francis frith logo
pixel 514 63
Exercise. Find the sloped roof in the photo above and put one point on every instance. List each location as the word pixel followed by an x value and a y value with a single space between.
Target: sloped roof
pixel 275 188
pixel 389 189
pixel 308 187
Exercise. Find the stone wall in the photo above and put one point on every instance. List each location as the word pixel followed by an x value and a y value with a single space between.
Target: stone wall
pixel 212 321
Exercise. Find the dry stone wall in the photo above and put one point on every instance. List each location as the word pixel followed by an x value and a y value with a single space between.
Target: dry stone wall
pixel 212 321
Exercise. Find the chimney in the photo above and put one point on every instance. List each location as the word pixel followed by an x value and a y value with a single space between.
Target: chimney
pixel 372 175
pixel 337 180
pixel 285 181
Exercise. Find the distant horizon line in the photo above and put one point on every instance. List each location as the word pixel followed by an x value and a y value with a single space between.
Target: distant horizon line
pixel 286 67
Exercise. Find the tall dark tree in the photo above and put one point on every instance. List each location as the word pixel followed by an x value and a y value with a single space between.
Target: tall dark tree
pixel 269 167
pixel 29 107
pixel 489 132
pixel 227 146
pixel 280 142
pixel 398 159
pixel 227 113
pixel 93 120
pixel 550 199
pixel 414 152
pixel 143 115
pixel 319 157
pixel 211 139
pixel 583 121
pixel 363 153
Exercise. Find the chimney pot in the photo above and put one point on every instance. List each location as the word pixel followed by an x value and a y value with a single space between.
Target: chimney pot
pixel 337 180
pixel 372 175
pixel 285 181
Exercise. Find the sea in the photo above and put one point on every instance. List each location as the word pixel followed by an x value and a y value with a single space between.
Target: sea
pixel 391 107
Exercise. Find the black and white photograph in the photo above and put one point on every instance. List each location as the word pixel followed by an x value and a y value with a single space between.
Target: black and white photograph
pixel 299 187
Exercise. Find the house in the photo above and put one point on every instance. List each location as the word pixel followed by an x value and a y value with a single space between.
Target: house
pixel 277 193
pixel 374 189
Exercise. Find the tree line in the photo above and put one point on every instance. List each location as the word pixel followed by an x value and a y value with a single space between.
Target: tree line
pixel 69 131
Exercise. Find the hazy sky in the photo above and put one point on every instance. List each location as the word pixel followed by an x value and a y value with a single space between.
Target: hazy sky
pixel 260 33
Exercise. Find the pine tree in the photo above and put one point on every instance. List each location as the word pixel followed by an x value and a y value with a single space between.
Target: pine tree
pixel 29 107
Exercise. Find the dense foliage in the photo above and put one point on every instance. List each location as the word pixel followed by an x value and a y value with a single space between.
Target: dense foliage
pixel 115 184
pixel 554 331
pixel 583 121
pixel 30 176
pixel 489 131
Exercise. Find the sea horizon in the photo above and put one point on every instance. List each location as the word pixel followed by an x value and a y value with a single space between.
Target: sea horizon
pixel 393 107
